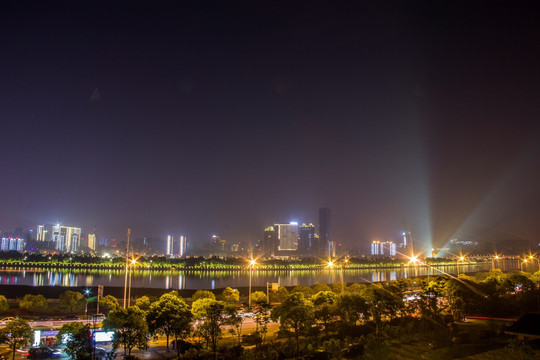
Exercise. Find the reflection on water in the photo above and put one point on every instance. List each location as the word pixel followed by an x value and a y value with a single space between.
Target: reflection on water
pixel 196 279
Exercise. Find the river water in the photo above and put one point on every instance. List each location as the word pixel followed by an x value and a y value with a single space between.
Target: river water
pixel 195 279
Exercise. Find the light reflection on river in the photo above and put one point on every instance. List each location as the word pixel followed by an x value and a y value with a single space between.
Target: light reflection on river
pixel 195 279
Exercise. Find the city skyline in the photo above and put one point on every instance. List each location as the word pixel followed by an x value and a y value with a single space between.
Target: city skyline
pixel 224 118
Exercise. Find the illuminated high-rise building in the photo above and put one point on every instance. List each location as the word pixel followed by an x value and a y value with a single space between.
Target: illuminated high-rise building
pixel 92 241
pixel 323 247
pixel 383 248
pixel 287 236
pixel 66 238
pixel 12 244
pixel 270 243
pixel 183 246
pixel 170 245
pixel 306 238
pixel 41 234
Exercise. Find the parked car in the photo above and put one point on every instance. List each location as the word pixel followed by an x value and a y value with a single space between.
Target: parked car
pixel 71 317
pixel 43 353
pixel 44 318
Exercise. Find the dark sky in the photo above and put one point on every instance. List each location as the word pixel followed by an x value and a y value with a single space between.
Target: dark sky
pixel 223 117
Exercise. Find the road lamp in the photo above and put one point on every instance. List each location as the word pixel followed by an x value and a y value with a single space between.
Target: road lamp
pixel 523 262
pixel 496 257
pixel 345 261
pixel 461 259
pixel 87 294
pixel 252 263
pixel 132 263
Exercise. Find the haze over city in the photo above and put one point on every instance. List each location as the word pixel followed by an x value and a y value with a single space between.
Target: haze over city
pixel 202 119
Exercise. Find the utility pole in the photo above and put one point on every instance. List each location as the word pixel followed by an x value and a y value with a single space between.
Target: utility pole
pixel 127 267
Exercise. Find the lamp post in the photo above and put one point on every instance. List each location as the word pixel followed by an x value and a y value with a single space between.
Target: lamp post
pixel 496 257
pixel 86 293
pixel 252 263
pixel 523 262
pixel 132 264
pixel 461 259
pixel 342 281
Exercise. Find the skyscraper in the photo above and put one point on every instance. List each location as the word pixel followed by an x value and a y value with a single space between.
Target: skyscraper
pixel 92 241
pixel 323 246
pixel 183 245
pixel 41 234
pixel 306 238
pixel 170 245
pixel 66 238
pixel 287 236
pixel 270 241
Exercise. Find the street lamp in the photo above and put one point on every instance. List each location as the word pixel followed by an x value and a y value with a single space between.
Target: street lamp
pixel 132 263
pixel 342 281
pixel 461 259
pixel 523 262
pixel 496 257
pixel 252 263
pixel 86 293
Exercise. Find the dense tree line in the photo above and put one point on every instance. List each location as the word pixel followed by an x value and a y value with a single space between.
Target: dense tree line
pixel 310 318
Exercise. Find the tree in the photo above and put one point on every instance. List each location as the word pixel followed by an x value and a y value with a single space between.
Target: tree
pixel 262 316
pixel 230 295
pixel 325 309
pixel 306 290
pixel 350 307
pixel 143 303
pixel 210 312
pixel 294 312
pixel 203 294
pixel 33 303
pixel 71 301
pixel 258 297
pixel 170 315
pixel 16 333
pixel 79 343
pixel 4 305
pixel 280 295
pixel 109 303
pixel 321 287
pixel 130 328
pixel 234 320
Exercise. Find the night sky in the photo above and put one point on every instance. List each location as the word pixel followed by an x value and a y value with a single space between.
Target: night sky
pixel 204 118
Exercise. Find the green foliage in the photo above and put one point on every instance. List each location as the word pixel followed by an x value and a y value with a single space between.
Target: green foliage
pixel 305 290
pixel 202 294
pixel 170 315
pixel 258 297
pixel 234 320
pixel 16 333
pixel 4 305
pixel 108 303
pixel 325 308
pixel 71 301
pixel 280 295
pixel 210 311
pixel 230 295
pixel 33 303
pixel 143 303
pixel 130 328
pixel 321 287
pixel 79 344
pixel 295 312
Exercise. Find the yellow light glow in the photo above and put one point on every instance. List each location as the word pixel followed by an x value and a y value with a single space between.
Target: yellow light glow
pixel 252 262
pixel 461 258
pixel 331 264
pixel 133 262
pixel 496 257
